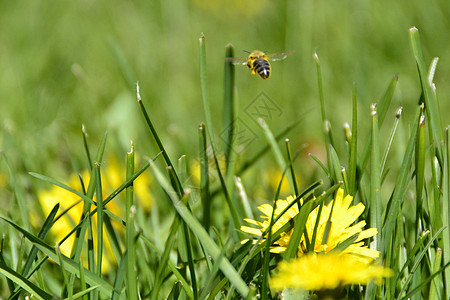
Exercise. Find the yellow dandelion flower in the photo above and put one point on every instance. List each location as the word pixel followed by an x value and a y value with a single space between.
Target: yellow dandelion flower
pixel 112 177
pixel 266 209
pixel 342 218
pixel 49 198
pixel 328 271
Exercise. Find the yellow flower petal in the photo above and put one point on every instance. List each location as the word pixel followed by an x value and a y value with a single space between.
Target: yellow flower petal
pixel 251 230
pixel 342 227
pixel 329 271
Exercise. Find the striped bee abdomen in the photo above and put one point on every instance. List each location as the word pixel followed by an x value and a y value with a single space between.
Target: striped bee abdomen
pixel 262 67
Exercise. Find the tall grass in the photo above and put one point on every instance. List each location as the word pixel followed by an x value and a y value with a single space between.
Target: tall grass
pixel 203 254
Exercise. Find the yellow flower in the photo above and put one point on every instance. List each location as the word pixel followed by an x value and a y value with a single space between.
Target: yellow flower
pixel 342 218
pixel 112 177
pixel 328 271
pixel 267 209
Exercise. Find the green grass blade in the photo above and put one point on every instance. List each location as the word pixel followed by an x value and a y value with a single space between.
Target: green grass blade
pixel 42 234
pixel 185 247
pixel 322 108
pixel 21 255
pixel 418 260
pixel 321 165
pixel 431 106
pixel 432 70
pixel 204 86
pixel 23 282
pixel 82 279
pixel 326 232
pixel 400 188
pixel 320 87
pixel 69 265
pixel 168 246
pixel 173 180
pixel 85 226
pixel 265 267
pixel 99 193
pixel 175 292
pixel 124 185
pixel 231 201
pixel 299 230
pixel 101 148
pixel 412 254
pixel 155 136
pixel 113 235
pixel 90 252
pixel 303 195
pixel 425 282
pixel 375 179
pixel 229 110
pixel 420 172
pixel 391 138
pixel 291 167
pixel 86 147
pixel 386 99
pixel 247 164
pixel 435 291
pixel 336 165
pixel 84 292
pixel 66 280
pixel 183 168
pixel 34 251
pixel 345 178
pixel 177 184
pixel 107 200
pixel 300 221
pixel 204 178
pixel 10 283
pixel 383 106
pixel 62 185
pixel 345 244
pixel 16 293
pixel 353 147
pixel 14 182
pixel 217 289
pixel 446 209
pixel 209 245
pixel 211 278
pixel 130 211
pixel 209 128
pixel 243 196
pixel 172 268
pixel 120 276
pixel 276 150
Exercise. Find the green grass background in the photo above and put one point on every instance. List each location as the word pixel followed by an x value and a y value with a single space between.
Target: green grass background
pixel 60 68
pixel 67 63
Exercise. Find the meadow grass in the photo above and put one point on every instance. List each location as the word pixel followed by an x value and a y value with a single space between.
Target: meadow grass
pixel 197 248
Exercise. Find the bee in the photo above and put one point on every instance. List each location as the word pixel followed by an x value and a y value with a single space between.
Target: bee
pixel 258 61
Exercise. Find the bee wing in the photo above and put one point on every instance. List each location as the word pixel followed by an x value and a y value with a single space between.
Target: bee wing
pixel 236 60
pixel 280 55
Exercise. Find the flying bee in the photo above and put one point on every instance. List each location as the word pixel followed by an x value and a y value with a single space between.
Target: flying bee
pixel 258 61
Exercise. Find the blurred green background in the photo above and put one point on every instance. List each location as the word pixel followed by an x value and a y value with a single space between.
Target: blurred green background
pixel 68 63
